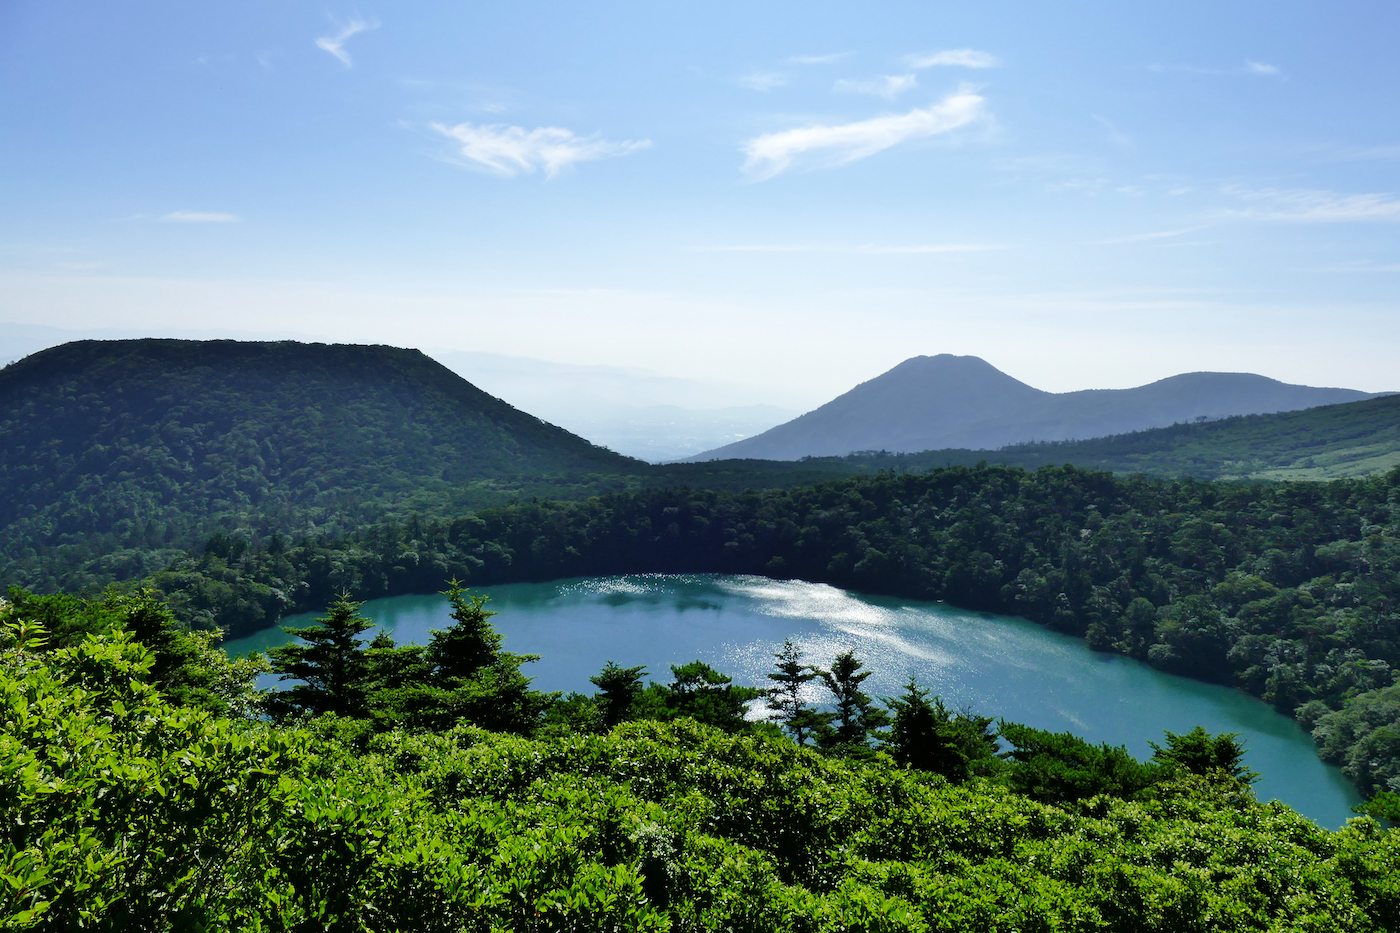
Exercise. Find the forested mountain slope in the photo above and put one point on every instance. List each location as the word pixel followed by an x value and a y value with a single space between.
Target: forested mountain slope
pixel 118 449
pixel 945 401
pixel 1324 443
pixel 118 456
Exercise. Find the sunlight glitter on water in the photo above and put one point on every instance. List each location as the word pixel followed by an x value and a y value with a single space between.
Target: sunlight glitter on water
pixel 990 664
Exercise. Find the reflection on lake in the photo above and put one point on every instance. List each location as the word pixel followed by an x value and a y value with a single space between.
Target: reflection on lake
pixel 997 665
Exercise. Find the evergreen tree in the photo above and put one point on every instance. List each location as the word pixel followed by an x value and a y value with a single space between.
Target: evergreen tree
pixel 619 688
pixel 1061 767
pixel 1200 752
pixel 785 697
pixel 921 736
pixel 330 663
pixel 471 643
pixel 464 674
pixel 856 716
pixel 705 695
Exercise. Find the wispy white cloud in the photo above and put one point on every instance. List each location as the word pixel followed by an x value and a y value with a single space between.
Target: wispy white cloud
pixel 773 153
pixel 819 59
pixel 959 58
pixel 199 217
pixel 1249 67
pixel 864 248
pixel 886 86
pixel 1305 206
pixel 763 81
pixel 336 44
pixel 511 150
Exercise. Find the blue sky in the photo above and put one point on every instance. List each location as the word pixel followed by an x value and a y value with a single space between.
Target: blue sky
pixel 789 196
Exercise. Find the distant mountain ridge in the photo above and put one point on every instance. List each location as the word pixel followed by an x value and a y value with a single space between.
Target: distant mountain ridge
pixel 946 401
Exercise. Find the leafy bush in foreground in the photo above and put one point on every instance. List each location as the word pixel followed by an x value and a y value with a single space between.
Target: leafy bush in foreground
pixel 119 806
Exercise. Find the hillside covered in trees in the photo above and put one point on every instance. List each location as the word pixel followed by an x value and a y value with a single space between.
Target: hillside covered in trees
pixel 1288 591
pixel 118 456
pixel 113 453
pixel 139 786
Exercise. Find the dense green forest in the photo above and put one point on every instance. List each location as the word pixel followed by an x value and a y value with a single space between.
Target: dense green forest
pixel 378 796
pixel 1323 443
pixel 1288 591
pixel 243 482
pixel 116 457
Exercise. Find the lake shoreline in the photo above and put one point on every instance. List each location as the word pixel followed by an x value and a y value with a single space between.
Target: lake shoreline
pixel 1000 665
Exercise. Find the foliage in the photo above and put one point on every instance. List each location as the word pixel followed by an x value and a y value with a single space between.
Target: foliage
pixel 330 664
pixel 854 717
pixel 1062 768
pixel 462 675
pixel 1290 592
pixel 619 689
pixel 699 692
pixel 1383 806
pixel 119 804
pixel 928 736
pixel 1200 752
pixel 186 666
pixel 785 702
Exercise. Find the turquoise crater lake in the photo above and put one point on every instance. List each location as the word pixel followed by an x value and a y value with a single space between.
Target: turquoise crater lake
pixel 997 665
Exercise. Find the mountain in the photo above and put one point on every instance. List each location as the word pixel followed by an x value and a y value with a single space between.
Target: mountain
pixel 946 401
pixel 1324 443
pixel 127 447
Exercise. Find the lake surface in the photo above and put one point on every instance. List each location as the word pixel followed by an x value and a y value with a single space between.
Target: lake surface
pixel 996 665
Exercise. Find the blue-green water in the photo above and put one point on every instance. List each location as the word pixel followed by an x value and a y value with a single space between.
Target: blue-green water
pixel 997 665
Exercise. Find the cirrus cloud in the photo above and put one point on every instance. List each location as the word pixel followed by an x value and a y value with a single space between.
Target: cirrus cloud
pixel 336 44
pixel 771 154
pixel 886 86
pixel 958 58
pixel 511 150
